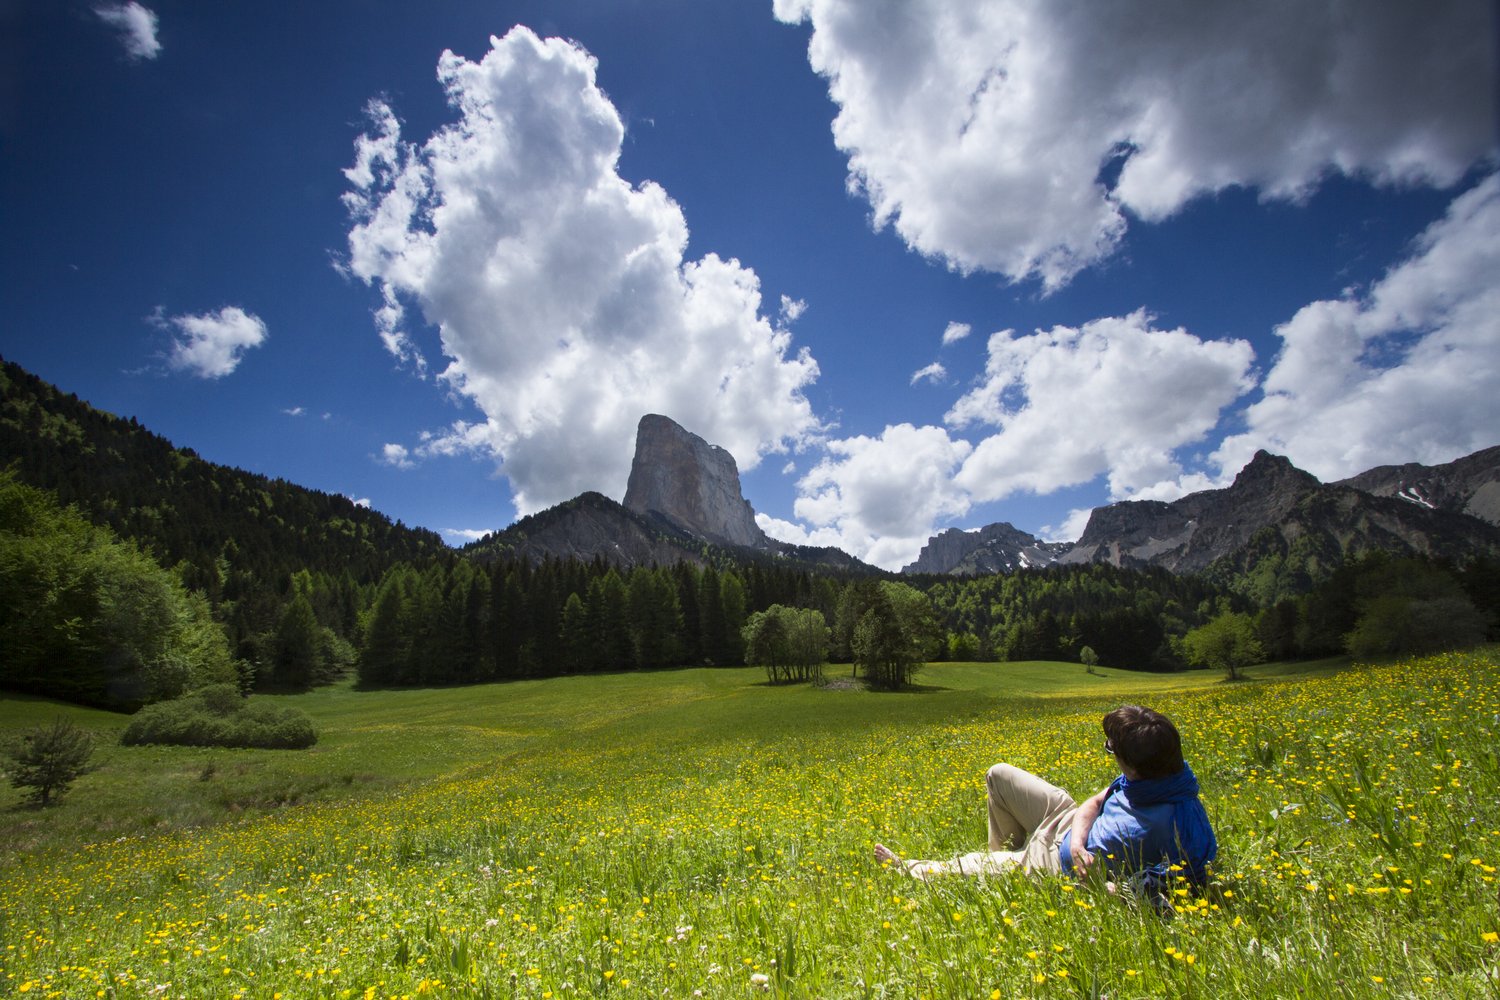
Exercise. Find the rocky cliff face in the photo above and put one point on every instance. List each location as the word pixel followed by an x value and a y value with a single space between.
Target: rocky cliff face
pixel 1275 521
pixel 682 503
pixel 1284 525
pixel 693 484
pixel 1470 485
pixel 995 548
pixel 1186 535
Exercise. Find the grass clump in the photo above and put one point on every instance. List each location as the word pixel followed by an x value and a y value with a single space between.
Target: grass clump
pixel 217 716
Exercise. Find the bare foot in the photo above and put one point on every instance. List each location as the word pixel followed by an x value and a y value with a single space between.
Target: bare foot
pixel 887 857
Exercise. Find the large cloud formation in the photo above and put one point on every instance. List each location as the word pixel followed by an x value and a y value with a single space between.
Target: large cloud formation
pixel 559 289
pixel 1024 137
pixel 1115 397
pixel 1064 118
pixel 878 497
pixel 1409 371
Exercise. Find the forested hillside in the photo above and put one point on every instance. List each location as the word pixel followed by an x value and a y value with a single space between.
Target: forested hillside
pixel 237 537
pixel 1127 616
pixel 91 618
pixel 183 508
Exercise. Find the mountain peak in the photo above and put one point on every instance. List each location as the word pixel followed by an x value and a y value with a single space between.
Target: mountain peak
pixel 693 484
pixel 1273 472
pixel 995 548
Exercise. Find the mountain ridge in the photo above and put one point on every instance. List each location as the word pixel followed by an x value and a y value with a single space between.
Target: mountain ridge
pixel 1275 529
pixel 1276 526
pixel 1467 485
pixel 1273 514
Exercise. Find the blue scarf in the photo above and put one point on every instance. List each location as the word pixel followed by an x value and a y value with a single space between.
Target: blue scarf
pixel 1196 841
pixel 1179 787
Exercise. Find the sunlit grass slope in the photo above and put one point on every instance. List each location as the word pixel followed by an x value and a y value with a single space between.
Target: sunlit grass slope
pixel 661 834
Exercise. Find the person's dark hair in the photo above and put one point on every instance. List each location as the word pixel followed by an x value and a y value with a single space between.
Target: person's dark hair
pixel 1144 739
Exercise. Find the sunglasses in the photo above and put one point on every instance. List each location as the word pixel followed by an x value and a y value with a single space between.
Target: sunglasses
pixel 1109 746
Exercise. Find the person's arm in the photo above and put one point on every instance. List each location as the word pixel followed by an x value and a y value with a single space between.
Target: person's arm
pixel 1083 822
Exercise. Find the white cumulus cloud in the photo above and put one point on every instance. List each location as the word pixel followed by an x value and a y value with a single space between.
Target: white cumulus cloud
pixel 1407 371
pixel 878 498
pixel 1019 136
pixel 136 25
pixel 211 345
pixel 1115 397
pixel 560 291
pixel 397 456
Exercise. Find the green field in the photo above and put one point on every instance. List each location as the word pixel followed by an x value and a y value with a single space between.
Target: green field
pixel 697 832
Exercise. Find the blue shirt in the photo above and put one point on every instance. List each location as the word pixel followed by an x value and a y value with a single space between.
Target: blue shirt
pixel 1147 822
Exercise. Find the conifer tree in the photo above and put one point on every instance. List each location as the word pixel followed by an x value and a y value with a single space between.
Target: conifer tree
pixel 686 579
pixel 48 759
pixel 577 636
pixel 296 661
pixel 711 620
pixel 507 623
pixel 614 633
pixel 733 589
pixel 386 640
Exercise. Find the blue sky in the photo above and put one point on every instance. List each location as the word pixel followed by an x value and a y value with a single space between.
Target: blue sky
pixel 917 265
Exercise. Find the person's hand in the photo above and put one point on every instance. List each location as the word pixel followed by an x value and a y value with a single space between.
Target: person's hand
pixel 1082 859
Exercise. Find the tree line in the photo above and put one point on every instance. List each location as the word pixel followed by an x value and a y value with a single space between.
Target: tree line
pixel 1127 617
pixel 457 622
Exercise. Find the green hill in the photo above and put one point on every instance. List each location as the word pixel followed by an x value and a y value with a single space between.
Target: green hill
pixel 184 509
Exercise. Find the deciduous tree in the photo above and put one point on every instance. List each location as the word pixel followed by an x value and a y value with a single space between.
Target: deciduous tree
pixel 1226 643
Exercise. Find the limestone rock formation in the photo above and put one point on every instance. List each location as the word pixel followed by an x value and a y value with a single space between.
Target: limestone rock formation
pixel 1188 534
pixel 1275 511
pixel 693 484
pixel 683 503
pixel 995 548
pixel 1275 521
pixel 1470 485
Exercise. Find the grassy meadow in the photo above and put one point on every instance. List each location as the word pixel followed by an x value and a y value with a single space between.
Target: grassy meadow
pixel 699 833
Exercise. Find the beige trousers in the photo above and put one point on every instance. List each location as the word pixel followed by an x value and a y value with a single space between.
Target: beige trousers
pixel 1027 820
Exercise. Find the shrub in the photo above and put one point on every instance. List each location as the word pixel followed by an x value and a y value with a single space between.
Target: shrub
pixel 218 717
pixel 222 699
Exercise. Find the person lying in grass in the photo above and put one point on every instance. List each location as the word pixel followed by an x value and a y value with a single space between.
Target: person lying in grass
pixel 1148 819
